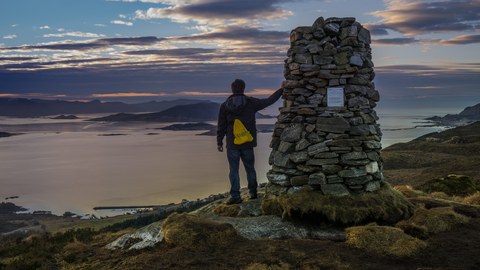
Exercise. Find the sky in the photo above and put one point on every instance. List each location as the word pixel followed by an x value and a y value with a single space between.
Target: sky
pixel 426 52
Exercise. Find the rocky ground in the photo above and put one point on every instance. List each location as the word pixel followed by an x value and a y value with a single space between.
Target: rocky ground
pixel 436 173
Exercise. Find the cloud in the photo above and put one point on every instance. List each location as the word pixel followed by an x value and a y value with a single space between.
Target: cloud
pixel 429 87
pixel 395 41
pixel 180 52
pixel 51 64
pixel 6 95
pixel 216 11
pixel 376 30
pixel 462 40
pixel 166 2
pixel 241 35
pixel 203 94
pixel 44 27
pixel 129 94
pixel 416 17
pixel 17 58
pixel 445 85
pixel 89 45
pixel 74 34
pixel 120 22
pixel 10 37
pixel 146 78
pixel 254 92
pixel 100 25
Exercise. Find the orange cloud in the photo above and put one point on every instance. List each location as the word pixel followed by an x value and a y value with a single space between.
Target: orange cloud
pixel 255 92
pixel 261 92
pixel 129 94
pixel 8 95
pixel 198 93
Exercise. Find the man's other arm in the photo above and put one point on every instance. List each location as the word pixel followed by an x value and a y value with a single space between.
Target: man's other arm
pixel 221 127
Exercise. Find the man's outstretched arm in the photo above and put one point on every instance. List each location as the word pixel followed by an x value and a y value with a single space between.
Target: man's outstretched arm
pixel 221 127
pixel 263 103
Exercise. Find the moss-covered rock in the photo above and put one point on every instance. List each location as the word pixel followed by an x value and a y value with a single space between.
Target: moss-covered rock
pixel 385 205
pixel 427 222
pixel 384 240
pixel 459 185
pixel 191 231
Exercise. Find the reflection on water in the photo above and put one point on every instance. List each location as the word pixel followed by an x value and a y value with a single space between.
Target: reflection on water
pixel 62 165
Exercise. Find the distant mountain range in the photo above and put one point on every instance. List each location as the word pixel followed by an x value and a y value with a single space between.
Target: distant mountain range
pixel 468 115
pixel 22 107
pixel 182 113
pixel 190 126
pixel 6 134
pixel 200 112
pixel 179 110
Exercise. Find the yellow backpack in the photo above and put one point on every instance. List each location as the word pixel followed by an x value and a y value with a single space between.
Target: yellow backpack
pixel 240 133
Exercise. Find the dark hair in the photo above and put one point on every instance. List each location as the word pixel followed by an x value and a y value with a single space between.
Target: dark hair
pixel 238 86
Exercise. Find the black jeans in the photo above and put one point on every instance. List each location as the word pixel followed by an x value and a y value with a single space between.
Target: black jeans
pixel 248 159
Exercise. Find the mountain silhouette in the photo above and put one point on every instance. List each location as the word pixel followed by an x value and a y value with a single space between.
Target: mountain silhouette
pixel 22 107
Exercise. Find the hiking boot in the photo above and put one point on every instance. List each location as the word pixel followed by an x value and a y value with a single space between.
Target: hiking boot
pixel 233 201
pixel 253 197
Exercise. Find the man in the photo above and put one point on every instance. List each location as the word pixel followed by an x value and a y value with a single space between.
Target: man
pixel 239 106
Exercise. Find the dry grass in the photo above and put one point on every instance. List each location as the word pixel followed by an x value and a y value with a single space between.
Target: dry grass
pixel 385 205
pixel 440 195
pixel 191 231
pixel 75 246
pixel 263 266
pixel 408 191
pixel 384 240
pixel 473 199
pixel 226 210
pixel 426 222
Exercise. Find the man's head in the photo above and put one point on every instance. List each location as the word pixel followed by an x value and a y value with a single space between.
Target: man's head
pixel 238 86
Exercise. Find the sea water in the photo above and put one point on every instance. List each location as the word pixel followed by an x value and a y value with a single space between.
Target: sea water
pixel 75 165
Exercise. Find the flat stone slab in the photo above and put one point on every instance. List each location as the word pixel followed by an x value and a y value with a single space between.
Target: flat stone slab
pixel 142 238
pixel 273 227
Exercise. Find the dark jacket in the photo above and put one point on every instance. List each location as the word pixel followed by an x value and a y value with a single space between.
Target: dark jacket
pixel 240 106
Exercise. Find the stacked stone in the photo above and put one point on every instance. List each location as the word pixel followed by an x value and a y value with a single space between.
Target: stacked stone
pixel 335 150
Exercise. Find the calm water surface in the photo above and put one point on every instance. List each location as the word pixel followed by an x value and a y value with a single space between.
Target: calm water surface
pixel 61 165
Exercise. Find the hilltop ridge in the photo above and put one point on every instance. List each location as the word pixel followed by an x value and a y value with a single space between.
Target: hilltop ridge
pixel 466 116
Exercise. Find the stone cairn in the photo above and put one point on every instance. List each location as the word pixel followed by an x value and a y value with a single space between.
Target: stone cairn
pixel 335 150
